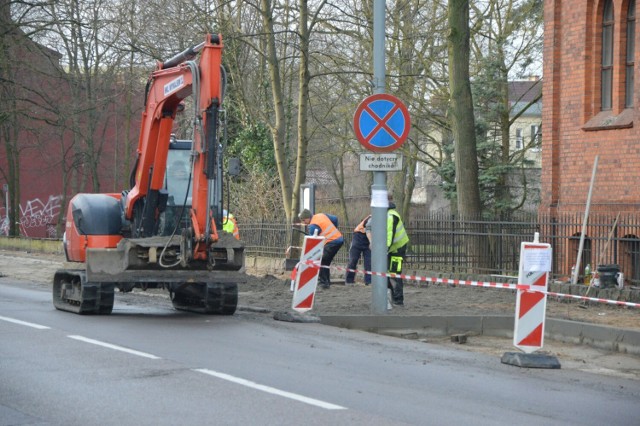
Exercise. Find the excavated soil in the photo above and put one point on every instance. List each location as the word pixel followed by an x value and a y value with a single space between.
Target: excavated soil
pixel 273 293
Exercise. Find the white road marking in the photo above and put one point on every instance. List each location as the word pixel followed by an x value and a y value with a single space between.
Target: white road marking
pixel 223 376
pixel 271 390
pixel 116 347
pixel 28 324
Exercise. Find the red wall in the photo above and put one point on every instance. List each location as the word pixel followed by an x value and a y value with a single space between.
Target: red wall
pixel 575 131
pixel 46 151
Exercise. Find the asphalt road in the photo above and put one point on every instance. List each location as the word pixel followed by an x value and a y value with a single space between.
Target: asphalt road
pixel 147 364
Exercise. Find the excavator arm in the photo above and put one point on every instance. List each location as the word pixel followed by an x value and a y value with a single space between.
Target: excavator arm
pixel 172 82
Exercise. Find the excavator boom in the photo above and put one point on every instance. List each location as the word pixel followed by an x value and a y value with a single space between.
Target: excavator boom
pixel 169 85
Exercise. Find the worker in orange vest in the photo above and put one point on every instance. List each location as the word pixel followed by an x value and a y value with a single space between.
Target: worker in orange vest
pixel 360 246
pixel 327 226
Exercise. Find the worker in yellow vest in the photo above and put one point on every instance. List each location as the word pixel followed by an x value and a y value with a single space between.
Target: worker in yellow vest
pixel 397 243
pixel 230 225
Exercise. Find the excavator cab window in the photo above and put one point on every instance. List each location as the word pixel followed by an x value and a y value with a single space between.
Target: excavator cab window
pixel 178 187
pixel 176 180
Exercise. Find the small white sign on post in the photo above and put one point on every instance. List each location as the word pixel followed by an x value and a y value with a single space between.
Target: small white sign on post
pixel 375 162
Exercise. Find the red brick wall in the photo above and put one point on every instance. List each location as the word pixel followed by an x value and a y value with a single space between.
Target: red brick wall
pixel 574 129
pixel 45 147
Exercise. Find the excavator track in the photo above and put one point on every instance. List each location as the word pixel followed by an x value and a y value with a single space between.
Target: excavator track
pixel 212 298
pixel 72 293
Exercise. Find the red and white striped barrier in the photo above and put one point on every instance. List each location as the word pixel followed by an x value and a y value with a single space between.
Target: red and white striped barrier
pixel 531 306
pixel 490 284
pixel 306 274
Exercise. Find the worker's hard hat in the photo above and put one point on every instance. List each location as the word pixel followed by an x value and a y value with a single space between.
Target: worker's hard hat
pixel 225 213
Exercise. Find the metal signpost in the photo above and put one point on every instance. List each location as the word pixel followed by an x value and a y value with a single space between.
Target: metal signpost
pixel 381 124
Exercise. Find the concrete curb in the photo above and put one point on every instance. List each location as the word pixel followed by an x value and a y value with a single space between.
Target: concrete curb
pixel 602 337
pixel 38 245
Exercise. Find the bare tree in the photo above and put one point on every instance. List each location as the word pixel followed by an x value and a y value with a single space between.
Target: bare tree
pixel 281 44
pixel 87 35
pixel 278 128
pixel 29 75
pixel 507 41
pixel 415 53
pixel 305 28
pixel 463 119
pixel 8 118
pixel 462 110
pixel 299 68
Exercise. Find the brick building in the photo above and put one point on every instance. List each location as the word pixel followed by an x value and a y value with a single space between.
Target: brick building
pixel 41 161
pixel 590 106
pixel 591 109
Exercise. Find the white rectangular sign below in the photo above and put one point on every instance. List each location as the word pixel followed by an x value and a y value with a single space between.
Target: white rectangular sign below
pixel 374 162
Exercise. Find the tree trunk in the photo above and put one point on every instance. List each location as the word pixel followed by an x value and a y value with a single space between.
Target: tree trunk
pixel 278 128
pixel 503 195
pixel 463 121
pixel 466 158
pixel 303 104
pixel 9 125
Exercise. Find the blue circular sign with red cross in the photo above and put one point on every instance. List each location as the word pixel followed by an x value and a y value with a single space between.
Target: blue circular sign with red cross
pixel 381 123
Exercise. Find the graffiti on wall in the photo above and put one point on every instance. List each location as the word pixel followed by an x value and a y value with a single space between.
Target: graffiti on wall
pixel 34 214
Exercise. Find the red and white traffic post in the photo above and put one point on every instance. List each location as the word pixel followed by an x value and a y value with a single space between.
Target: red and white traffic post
pixel 531 298
pixel 306 273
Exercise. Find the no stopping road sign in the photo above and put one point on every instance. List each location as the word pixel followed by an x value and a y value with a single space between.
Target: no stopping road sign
pixel 381 123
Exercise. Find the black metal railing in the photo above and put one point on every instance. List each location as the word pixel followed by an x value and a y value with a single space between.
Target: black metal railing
pixel 449 243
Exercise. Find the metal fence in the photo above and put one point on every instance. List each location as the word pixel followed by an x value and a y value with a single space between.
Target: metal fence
pixel 445 242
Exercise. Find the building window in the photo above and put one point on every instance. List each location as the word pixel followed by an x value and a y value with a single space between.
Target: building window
pixel 607 57
pixel 536 138
pixel 631 45
pixel 519 139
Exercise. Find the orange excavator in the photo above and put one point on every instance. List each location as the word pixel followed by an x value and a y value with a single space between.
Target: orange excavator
pixel 163 231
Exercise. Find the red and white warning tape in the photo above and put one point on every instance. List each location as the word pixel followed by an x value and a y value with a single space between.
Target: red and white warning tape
pixel 490 284
pixel 593 299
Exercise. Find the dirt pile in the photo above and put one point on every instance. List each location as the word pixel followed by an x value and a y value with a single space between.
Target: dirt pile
pixel 431 299
pixel 273 293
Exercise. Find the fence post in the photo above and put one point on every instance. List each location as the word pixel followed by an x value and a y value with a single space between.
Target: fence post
pixel 500 238
pixel 554 247
pixel 453 242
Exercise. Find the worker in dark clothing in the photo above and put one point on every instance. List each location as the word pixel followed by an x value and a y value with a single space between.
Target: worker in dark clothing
pixel 360 246
pixel 326 226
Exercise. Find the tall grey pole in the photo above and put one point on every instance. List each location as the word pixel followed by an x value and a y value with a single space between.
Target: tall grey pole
pixel 379 200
